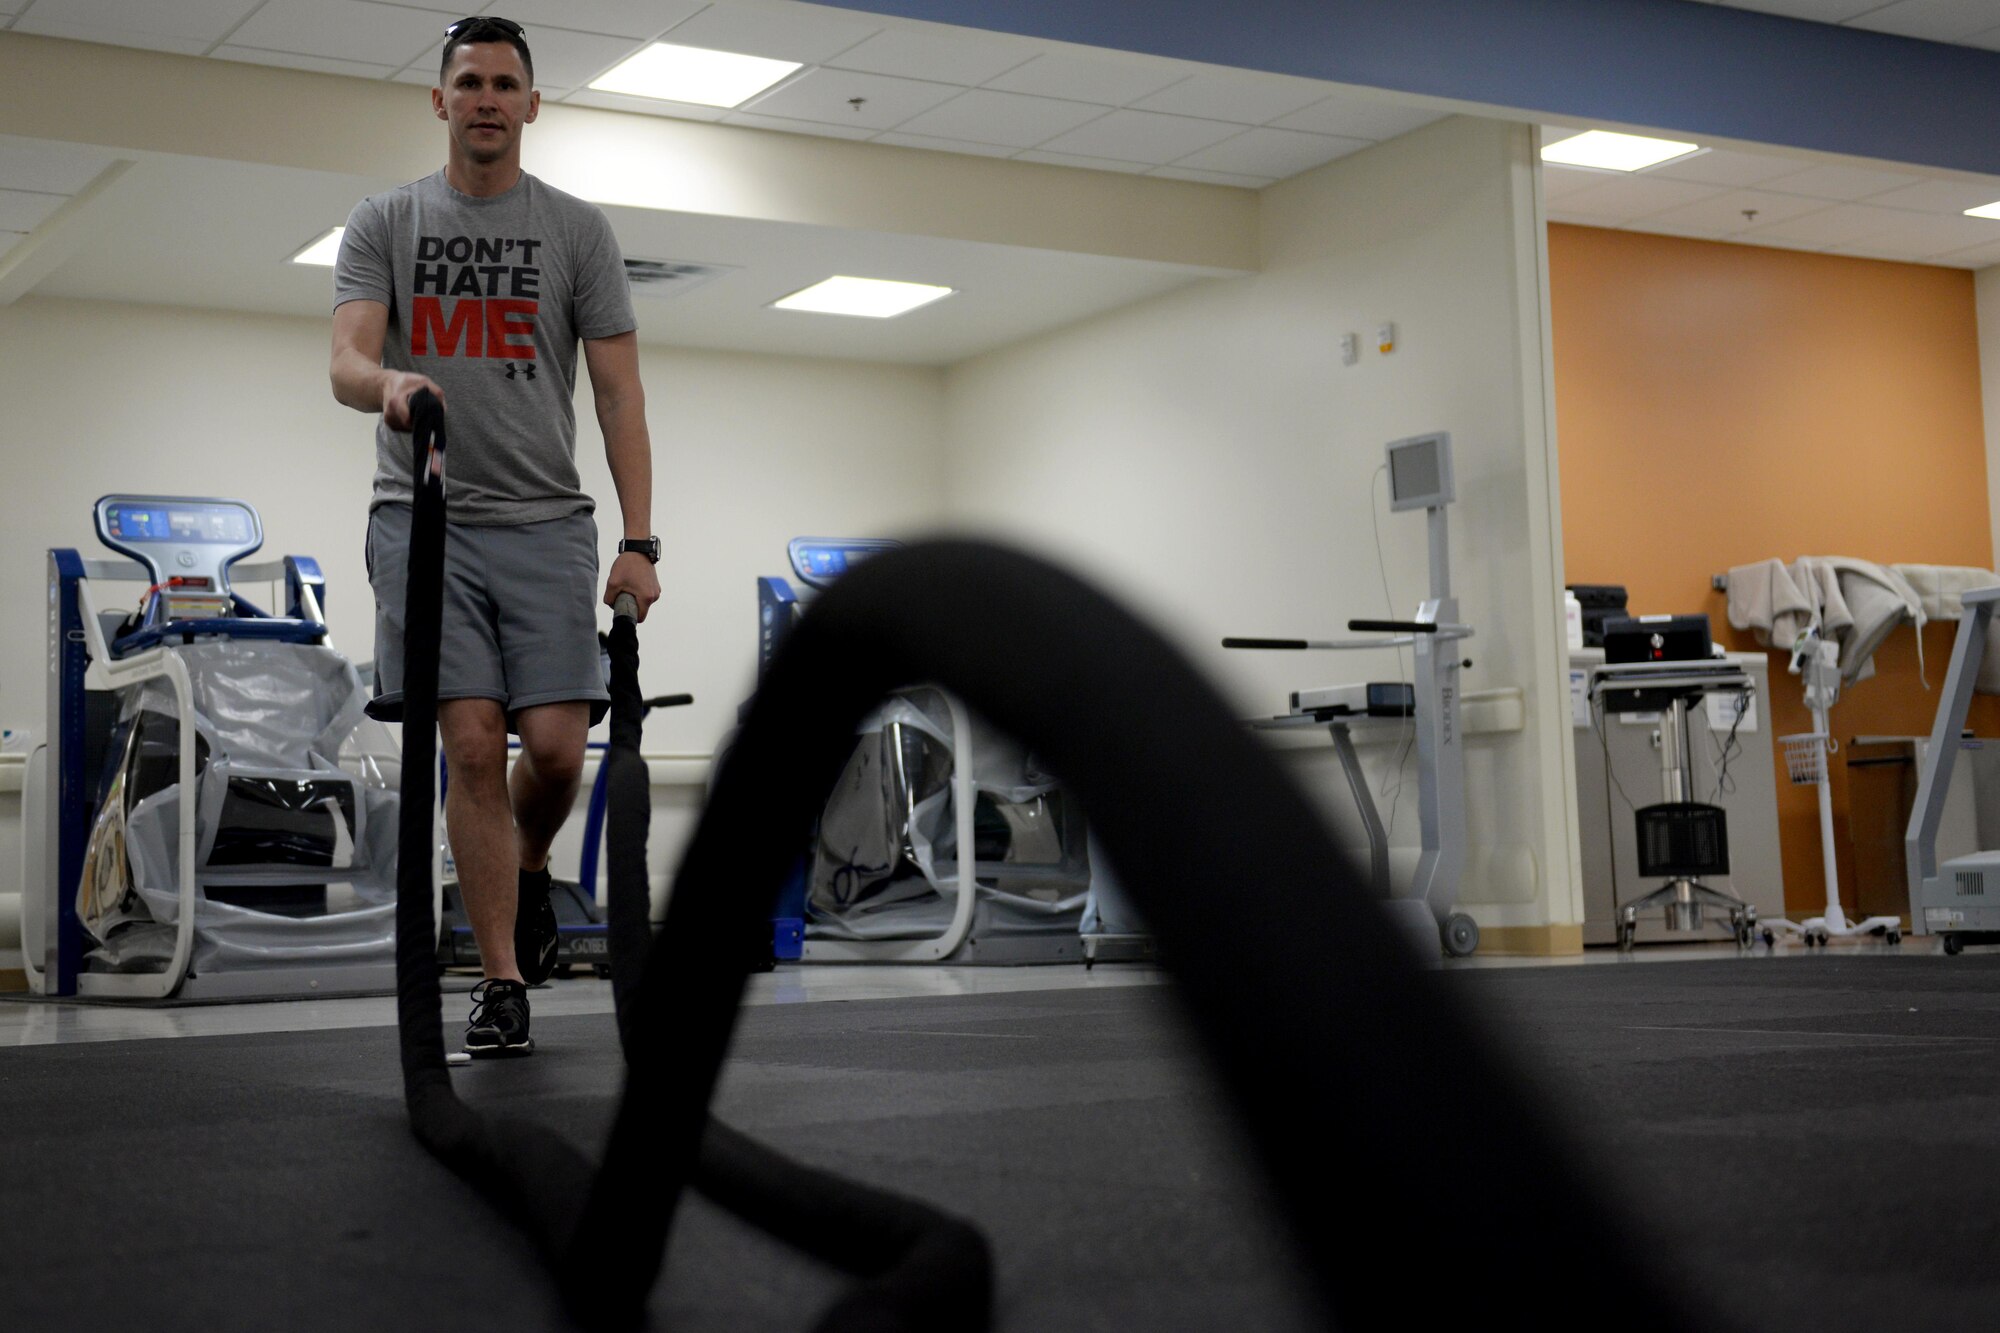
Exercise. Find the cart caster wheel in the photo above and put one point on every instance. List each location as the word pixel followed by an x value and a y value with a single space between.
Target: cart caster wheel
pixel 601 969
pixel 1627 936
pixel 1461 935
pixel 1893 937
pixel 1953 945
pixel 1770 938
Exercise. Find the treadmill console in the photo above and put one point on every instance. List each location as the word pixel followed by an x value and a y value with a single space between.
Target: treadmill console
pixel 186 544
pixel 818 561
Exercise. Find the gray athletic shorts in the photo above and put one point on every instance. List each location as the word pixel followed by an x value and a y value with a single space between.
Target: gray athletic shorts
pixel 520 613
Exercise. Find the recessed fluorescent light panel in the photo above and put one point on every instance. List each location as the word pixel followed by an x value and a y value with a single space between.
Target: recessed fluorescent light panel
pixel 322 251
pixel 1991 210
pixel 1616 152
pixel 690 74
pixel 871 298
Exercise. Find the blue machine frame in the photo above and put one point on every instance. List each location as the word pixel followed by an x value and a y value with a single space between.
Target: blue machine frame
pixel 83 657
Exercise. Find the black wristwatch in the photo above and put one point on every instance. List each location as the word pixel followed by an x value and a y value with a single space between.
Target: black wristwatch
pixel 646 546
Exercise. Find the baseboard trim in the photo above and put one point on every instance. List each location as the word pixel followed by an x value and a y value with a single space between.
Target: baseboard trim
pixel 1531 941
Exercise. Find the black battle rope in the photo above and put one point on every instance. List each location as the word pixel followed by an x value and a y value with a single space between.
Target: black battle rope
pixel 1415 1166
pixel 922 1268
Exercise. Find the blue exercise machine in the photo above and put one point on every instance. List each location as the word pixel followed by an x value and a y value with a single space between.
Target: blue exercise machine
pixel 994 871
pixel 256 842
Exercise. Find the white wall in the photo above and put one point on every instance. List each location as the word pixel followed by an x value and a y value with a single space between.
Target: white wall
pixel 1206 456
pixel 748 452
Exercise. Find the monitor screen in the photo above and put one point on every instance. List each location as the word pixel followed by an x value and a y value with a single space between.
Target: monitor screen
pixel 1420 472
pixel 216 524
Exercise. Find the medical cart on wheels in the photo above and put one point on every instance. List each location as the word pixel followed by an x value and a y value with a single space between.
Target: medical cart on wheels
pixel 1420 477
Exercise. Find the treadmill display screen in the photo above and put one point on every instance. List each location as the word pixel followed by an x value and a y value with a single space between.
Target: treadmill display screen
pixel 221 525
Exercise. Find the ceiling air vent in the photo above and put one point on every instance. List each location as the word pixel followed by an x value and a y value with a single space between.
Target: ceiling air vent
pixel 669 277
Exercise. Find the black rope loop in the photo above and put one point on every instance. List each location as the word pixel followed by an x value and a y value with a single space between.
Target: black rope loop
pixel 921 1268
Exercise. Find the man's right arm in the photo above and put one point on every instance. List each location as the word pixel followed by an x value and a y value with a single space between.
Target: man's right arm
pixel 360 380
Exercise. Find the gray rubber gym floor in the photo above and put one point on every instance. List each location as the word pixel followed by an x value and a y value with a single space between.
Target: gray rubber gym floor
pixel 1816 1142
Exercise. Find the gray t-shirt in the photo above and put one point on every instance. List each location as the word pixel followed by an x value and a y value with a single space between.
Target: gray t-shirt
pixel 488 297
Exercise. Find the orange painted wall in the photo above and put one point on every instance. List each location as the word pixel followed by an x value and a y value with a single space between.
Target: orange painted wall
pixel 1720 404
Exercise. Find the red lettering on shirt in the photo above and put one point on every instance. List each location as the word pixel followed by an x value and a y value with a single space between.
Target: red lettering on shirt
pixel 507 320
pixel 461 335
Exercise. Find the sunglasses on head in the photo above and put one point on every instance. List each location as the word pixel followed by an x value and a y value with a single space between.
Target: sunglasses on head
pixel 505 25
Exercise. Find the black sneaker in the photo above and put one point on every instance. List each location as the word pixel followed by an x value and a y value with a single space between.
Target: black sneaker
pixel 499 1022
pixel 535 928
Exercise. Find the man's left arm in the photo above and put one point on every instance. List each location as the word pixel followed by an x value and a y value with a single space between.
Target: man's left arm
pixel 621 414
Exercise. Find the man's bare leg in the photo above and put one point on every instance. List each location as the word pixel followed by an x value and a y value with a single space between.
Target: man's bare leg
pixel 480 820
pixel 546 777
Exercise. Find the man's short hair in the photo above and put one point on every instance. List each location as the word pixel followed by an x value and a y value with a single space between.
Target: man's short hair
pixel 485 29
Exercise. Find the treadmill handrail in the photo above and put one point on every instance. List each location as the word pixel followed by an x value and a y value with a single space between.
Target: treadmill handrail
pixel 1442 633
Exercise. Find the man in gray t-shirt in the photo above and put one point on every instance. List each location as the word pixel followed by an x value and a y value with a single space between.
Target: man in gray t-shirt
pixel 477 283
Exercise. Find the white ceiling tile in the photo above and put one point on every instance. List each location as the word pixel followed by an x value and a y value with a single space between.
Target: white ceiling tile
pixel 1213 178
pixel 615 18
pixel 1722 214
pixel 785 126
pixel 135 22
pixel 1840 182
pixel 827 95
pixel 1580 219
pixel 1940 196
pixel 1238 95
pixel 1880 248
pixel 362 30
pixel 23 210
pixel 805 33
pixel 566 59
pixel 1088 78
pixel 645 106
pixel 1656 227
pixel 912 53
pixel 1142 136
pixel 1979 256
pixel 10 239
pixel 1926 234
pixel 51 168
pixel 1560 182
pixel 318 64
pixel 1012 119
pixel 1777 243
pixel 425 73
pixel 1932 20
pixel 1842 224
pixel 1988 40
pixel 1273 154
pixel 77 32
pixel 1728 166
pixel 1820 11
pixel 1632 197
pixel 1358 118
pixel 1084 161
pixel 899 139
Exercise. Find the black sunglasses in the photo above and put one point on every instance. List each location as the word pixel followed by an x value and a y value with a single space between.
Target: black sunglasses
pixel 505 25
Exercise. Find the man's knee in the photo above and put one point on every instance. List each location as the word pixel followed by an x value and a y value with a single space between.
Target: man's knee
pixel 552 741
pixel 474 732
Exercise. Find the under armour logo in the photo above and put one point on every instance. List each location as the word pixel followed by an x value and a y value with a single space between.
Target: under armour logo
pixel 527 370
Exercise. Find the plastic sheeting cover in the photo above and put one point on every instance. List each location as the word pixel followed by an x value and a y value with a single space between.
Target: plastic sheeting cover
pixel 889 828
pixel 295 853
